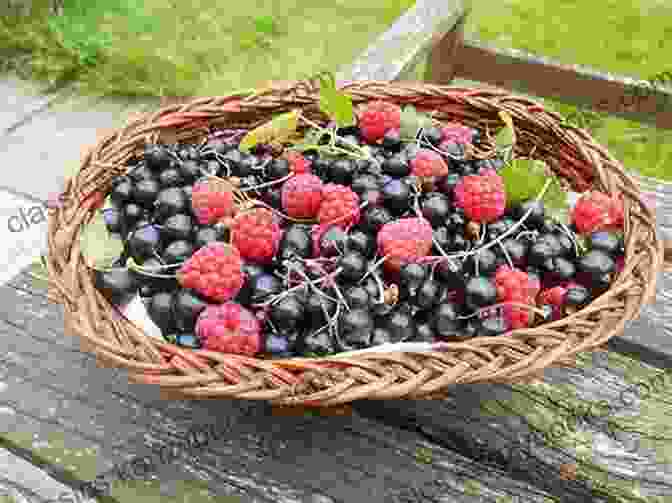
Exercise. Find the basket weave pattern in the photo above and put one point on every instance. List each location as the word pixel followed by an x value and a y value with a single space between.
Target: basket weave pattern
pixel 521 355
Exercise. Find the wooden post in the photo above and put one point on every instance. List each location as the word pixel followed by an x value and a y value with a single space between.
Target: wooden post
pixel 441 59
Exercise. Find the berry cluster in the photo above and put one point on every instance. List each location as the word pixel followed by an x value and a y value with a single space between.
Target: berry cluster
pixel 291 254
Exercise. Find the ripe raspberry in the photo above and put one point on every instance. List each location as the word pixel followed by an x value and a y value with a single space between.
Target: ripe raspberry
pixel 596 211
pixel 514 285
pixel 298 164
pixel 229 328
pixel 256 234
pixel 377 119
pixel 454 132
pixel 404 240
pixel 428 163
pixel 340 206
pixel 302 196
pixel 481 196
pixel 214 271
pixel 553 296
pixel 212 200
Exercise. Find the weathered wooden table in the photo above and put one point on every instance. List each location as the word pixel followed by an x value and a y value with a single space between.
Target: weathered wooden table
pixel 583 434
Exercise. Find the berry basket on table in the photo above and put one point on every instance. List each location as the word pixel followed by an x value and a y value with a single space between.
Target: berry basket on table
pixel 308 245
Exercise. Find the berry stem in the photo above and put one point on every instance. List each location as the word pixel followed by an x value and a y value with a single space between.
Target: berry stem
pixel 500 305
pixel 373 267
pixel 507 256
pixel 268 184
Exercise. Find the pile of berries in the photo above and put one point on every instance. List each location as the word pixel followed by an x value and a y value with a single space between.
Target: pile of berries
pixel 307 253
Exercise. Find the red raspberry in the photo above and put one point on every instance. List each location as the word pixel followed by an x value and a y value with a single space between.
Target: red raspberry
pixel 229 328
pixel 404 240
pixel 298 164
pixel 428 163
pixel 553 296
pixel 340 206
pixel 212 200
pixel 302 196
pixel 514 285
pixel 481 196
pixel 256 234
pixel 215 271
pixel 454 132
pixel 377 119
pixel 596 211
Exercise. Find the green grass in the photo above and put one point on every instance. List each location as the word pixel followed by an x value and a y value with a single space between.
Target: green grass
pixel 202 47
pixel 618 36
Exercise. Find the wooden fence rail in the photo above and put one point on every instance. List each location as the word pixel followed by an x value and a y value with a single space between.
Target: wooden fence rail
pixel 436 30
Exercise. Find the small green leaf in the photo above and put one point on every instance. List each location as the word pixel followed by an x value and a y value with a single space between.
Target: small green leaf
pixel 99 247
pixel 506 137
pixel 412 121
pixel 279 128
pixel 524 179
pixel 309 141
pixel 334 103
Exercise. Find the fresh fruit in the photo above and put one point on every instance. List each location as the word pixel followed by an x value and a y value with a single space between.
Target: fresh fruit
pixel 404 240
pixel 482 197
pixel 287 313
pixel 356 328
pixel 170 202
pixel 118 285
pixel 302 196
pixel 214 271
pixel 340 206
pixel 428 164
pixel 480 292
pixel 256 235
pixel 229 328
pixel 377 118
pixel 514 285
pixel 177 252
pixel 212 200
pixel 596 211
pixel 367 238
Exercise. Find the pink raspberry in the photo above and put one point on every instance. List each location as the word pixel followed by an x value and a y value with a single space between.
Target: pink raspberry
pixel 302 196
pixel 212 200
pixel 214 271
pixel 377 119
pixel 340 206
pixel 298 164
pixel 555 298
pixel 596 211
pixel 457 133
pixel 403 241
pixel 256 234
pixel 514 285
pixel 229 328
pixel 428 163
pixel 482 197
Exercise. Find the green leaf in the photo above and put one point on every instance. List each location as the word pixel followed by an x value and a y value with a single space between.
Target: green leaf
pixel 98 246
pixel 309 141
pixel 334 103
pixel 412 121
pixel 524 179
pixel 279 128
pixel 506 137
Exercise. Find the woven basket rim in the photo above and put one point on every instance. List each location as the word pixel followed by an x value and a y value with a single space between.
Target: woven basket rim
pixel 518 356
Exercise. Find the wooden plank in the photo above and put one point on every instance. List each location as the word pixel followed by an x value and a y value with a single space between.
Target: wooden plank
pixel 621 96
pixel 404 44
pixel 57 391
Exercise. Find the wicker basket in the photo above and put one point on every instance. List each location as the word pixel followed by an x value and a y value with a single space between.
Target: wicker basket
pixel 519 356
